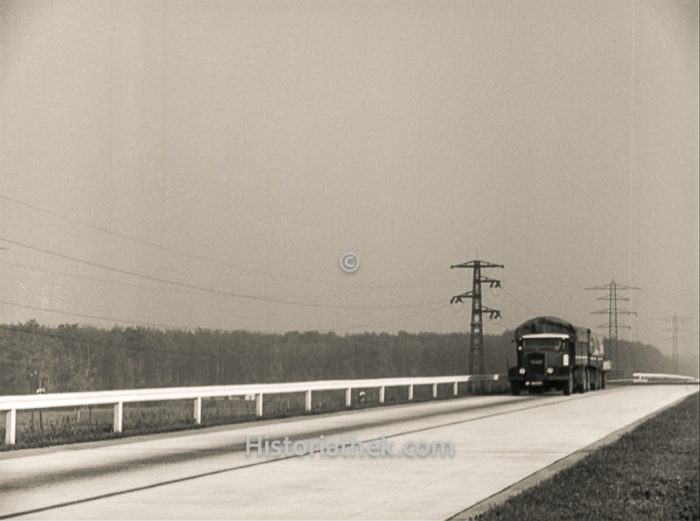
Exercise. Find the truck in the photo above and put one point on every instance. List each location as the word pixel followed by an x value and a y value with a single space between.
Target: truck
pixel 552 353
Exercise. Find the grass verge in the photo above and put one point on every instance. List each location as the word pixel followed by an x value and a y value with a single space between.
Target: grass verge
pixel 650 473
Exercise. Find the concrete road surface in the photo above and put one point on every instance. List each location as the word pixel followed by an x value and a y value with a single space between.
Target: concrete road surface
pixel 497 441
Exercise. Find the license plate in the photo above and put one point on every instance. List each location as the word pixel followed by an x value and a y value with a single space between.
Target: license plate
pixel 535 383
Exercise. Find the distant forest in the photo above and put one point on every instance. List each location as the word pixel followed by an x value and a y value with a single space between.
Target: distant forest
pixel 71 357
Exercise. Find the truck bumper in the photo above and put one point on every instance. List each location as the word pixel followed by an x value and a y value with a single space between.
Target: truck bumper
pixel 535 381
pixel 540 380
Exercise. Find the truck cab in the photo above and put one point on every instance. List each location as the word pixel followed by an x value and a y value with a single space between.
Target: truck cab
pixel 543 362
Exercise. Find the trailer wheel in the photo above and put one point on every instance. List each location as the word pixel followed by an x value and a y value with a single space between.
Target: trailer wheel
pixel 515 388
pixel 569 385
pixel 581 387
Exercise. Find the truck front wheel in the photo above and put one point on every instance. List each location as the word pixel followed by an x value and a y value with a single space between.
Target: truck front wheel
pixel 569 385
pixel 515 388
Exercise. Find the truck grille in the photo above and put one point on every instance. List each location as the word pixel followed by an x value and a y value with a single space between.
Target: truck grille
pixel 534 365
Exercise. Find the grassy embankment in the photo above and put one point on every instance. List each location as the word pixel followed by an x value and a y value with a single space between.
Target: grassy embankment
pixel 651 473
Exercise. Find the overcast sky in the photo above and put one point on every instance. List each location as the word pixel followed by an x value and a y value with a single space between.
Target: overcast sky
pixel 559 138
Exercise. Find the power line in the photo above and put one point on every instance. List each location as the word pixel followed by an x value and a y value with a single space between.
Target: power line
pixel 508 324
pixel 518 302
pixel 97 279
pixel 205 289
pixel 130 285
pixel 392 320
pixel 151 244
pixel 96 317
pixel 210 260
pixel 190 328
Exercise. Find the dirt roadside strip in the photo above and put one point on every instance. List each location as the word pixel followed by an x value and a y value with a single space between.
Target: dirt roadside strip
pixel 556 467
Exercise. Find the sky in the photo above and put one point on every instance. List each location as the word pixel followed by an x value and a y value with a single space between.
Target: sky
pixel 206 164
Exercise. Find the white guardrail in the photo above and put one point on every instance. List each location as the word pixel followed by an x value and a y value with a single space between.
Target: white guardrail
pixel 11 404
pixel 643 378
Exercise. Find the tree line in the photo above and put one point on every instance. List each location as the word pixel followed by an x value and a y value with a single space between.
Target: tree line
pixel 72 357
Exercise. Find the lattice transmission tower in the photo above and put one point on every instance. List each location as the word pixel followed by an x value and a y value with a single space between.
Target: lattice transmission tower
pixel 476 338
pixel 613 311
pixel 675 329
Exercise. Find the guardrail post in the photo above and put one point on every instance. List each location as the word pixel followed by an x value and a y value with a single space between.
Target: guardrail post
pixel 10 427
pixel 198 410
pixel 435 390
pixel 348 397
pixel 307 401
pixel 118 417
pixel 259 405
pixel 455 388
pixel 410 392
pixel 382 390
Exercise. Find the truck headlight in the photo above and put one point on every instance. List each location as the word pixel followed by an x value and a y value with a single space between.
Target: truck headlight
pixel 521 370
pixel 550 370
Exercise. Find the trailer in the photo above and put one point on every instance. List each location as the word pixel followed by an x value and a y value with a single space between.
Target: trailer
pixel 552 353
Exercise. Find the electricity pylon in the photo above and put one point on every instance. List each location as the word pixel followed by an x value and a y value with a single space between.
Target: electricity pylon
pixel 613 311
pixel 674 329
pixel 476 338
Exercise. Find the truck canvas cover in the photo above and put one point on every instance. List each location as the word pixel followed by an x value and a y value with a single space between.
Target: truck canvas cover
pixel 551 325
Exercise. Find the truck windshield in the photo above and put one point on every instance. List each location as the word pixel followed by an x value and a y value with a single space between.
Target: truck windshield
pixel 542 344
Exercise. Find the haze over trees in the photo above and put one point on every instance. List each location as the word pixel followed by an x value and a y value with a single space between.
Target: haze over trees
pixel 72 357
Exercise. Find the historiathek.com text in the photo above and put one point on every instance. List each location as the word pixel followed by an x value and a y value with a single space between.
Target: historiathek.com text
pixel 380 447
